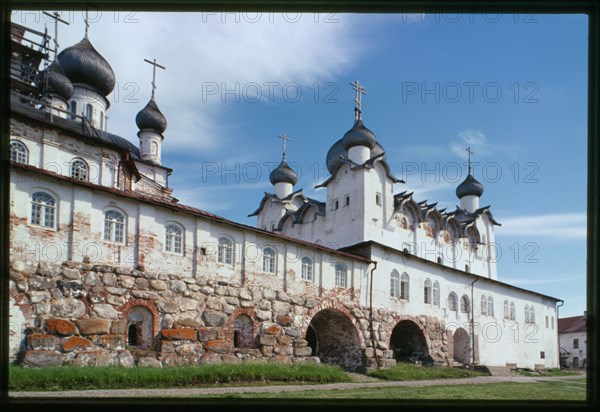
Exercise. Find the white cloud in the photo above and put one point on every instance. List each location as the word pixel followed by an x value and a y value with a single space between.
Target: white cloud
pixel 473 138
pixel 551 226
pixel 202 53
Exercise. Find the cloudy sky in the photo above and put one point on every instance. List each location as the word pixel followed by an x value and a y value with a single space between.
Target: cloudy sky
pixel 512 87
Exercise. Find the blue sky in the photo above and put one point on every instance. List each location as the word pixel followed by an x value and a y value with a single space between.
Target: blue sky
pixel 513 87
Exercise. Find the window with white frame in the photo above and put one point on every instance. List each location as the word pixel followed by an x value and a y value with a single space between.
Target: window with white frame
pixel 395 284
pixel 427 292
pixel 531 314
pixel 404 286
pixel 436 294
pixel 269 260
pixel 490 309
pixel 506 310
pixel 547 322
pixel 89 111
pixel 225 250
pixel 341 275
pixel 483 305
pixel 79 170
pixel 452 301
pixel 465 306
pixel 307 269
pixel 114 226
pixel 19 152
pixel 174 238
pixel 43 210
pixel 513 311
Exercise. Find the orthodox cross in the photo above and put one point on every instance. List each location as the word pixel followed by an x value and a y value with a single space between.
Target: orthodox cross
pixel 56 17
pixel 155 65
pixel 285 138
pixel 87 22
pixel 469 156
pixel 360 90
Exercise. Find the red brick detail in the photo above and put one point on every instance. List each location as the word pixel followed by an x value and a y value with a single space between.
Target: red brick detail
pixel 61 327
pixel 333 304
pixel 76 343
pixel 229 327
pixel 218 346
pixel 148 304
pixel 273 329
pixel 179 334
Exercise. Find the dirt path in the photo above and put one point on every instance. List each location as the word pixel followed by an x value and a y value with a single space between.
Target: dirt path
pixel 198 392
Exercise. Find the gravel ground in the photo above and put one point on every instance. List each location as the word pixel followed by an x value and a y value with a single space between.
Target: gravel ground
pixel 188 392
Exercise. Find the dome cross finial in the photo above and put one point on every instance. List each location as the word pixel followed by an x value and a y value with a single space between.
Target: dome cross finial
pixel 57 19
pixel 155 65
pixel 360 90
pixel 469 153
pixel 285 138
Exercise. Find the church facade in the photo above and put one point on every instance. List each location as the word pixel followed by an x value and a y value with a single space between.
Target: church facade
pixel 108 268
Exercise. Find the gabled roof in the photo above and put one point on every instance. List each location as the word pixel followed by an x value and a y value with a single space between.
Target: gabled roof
pixel 273 197
pixel 573 324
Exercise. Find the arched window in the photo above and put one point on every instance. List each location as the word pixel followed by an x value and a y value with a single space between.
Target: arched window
pixel 404 283
pixel 43 210
pixel 547 322
pixel 101 120
pixel 174 238
pixel 395 284
pixel 73 107
pixel 225 251
pixel 114 226
pixel 139 327
pixel 490 305
pixel 341 275
pixel 526 313
pixel 506 310
pixel 452 301
pixel 19 152
pixel 243 332
pixel 89 111
pixel 79 170
pixel 436 294
pixel 483 305
pixel 427 291
pixel 513 311
pixel 269 260
pixel 153 148
pixel 531 314
pixel 307 268
pixel 465 307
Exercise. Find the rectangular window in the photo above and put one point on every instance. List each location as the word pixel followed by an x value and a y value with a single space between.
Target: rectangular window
pixel 378 199
pixel 336 204
pixel 575 343
pixel 347 200
pixel 542 355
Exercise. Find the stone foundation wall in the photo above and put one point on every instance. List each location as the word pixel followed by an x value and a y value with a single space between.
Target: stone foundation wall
pixel 76 313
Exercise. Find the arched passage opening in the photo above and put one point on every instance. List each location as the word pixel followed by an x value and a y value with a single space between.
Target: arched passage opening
pixel 409 344
pixel 334 339
pixel 139 327
pixel 462 347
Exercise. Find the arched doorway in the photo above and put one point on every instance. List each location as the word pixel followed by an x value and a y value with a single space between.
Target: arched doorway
pixel 334 339
pixel 139 327
pixel 409 344
pixel 462 347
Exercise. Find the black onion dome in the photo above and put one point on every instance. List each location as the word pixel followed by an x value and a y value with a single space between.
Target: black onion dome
pixel 333 159
pixel 151 118
pixel 283 174
pixel 359 135
pixel 83 64
pixel 57 82
pixel 469 187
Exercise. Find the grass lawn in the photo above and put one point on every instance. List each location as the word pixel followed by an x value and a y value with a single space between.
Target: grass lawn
pixel 540 391
pixel 81 378
pixel 412 372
